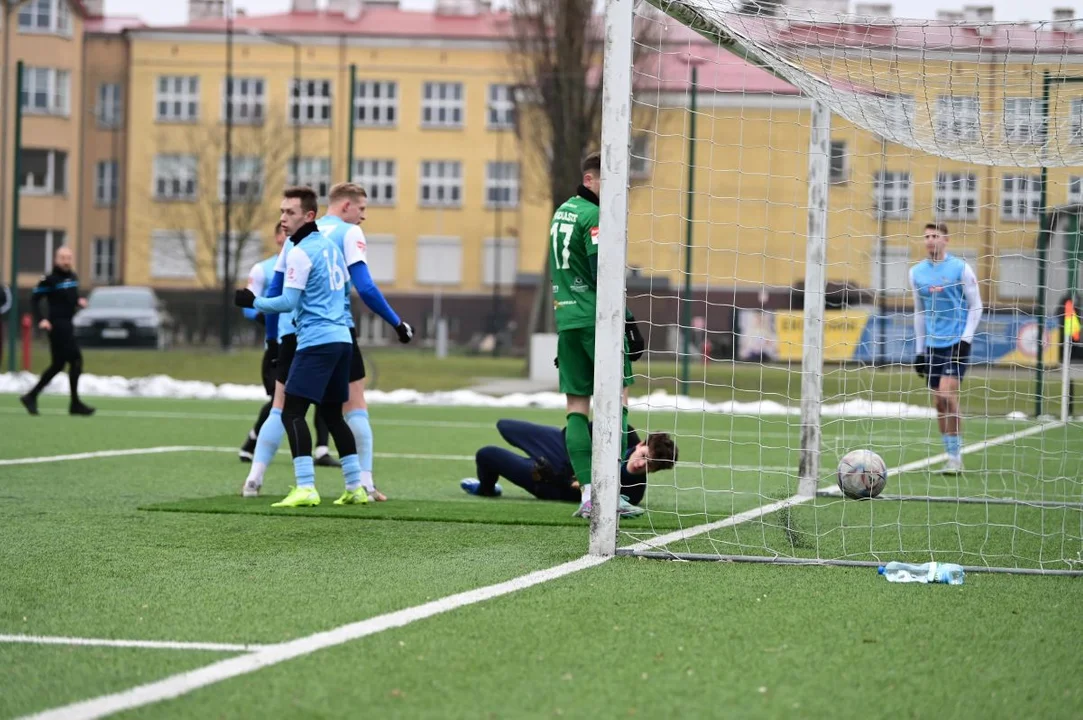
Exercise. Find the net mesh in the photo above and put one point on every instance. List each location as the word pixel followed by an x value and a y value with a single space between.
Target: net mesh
pixel 718 219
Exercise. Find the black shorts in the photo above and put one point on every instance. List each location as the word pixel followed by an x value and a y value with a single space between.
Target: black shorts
pixel 945 362
pixel 287 348
pixel 268 372
pixel 320 373
pixel 357 363
pixel 62 343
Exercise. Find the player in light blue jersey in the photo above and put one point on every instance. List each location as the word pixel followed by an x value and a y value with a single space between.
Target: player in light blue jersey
pixel 947 310
pixel 314 291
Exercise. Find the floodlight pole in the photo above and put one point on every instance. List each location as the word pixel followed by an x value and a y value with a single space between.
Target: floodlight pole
pixel 13 315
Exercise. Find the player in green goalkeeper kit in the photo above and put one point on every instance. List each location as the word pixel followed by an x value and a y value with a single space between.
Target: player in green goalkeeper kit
pixel 573 264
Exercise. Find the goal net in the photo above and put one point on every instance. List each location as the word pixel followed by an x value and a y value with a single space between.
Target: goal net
pixel 780 168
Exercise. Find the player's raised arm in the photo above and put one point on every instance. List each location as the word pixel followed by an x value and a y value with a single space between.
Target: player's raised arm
pixel 354 249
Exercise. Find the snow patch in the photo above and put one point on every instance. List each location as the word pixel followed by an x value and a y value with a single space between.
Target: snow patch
pixel 163 386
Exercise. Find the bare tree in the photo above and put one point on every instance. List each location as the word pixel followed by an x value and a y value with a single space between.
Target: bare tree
pixel 556 50
pixel 190 190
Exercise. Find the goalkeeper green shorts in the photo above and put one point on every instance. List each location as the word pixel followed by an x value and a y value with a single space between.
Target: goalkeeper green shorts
pixel 575 360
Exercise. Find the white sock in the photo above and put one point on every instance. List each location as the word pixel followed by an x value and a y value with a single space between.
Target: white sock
pixel 586 492
pixel 366 481
pixel 320 452
pixel 255 475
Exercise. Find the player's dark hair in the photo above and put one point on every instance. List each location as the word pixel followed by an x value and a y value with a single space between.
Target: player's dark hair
pixel 307 196
pixel 940 227
pixel 661 452
pixel 592 163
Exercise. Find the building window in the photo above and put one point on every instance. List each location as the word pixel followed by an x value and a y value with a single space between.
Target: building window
pixel 248 99
pixel 175 177
pixel 104 269
pixel 36 248
pixel 45 16
pixel 500 261
pixel 246 175
pixel 43 172
pixel 439 261
pixel 245 250
pixel 1018 276
pixel 893 194
pixel 1076 120
pixel 441 183
pixel 501 110
pixel 840 162
pixel 639 162
pixel 892 270
pixel 310 102
pixel 376 103
pixel 313 172
pixel 1075 190
pixel 442 105
pixel 380 257
pixel 172 254
pixel 177 98
pixel 502 184
pixel 1023 122
pixel 105 183
pixel 108 110
pixel 899 112
pixel 956 196
pixel 958 119
pixel 379 179
pixel 46 91
pixel 1021 197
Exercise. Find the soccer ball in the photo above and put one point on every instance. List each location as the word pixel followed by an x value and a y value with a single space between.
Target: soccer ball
pixel 862 474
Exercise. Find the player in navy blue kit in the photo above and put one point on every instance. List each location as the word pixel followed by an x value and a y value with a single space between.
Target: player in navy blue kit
pixel 315 292
pixel 60 289
pixel 947 310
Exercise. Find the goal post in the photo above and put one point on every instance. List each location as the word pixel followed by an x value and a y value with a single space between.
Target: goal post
pixel 771 241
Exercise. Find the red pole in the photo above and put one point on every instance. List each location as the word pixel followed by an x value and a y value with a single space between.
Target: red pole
pixel 27 324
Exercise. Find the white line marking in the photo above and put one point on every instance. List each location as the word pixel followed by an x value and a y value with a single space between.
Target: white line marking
pixel 148 644
pixel 99 454
pixel 182 683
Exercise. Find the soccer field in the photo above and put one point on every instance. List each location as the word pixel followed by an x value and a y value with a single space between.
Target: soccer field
pixel 128 527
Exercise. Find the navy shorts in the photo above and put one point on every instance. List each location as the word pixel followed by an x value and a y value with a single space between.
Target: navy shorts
pixel 321 373
pixel 945 362
pixel 357 362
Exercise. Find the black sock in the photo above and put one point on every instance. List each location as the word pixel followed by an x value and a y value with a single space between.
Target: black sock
pixel 75 369
pixel 335 424
pixel 293 419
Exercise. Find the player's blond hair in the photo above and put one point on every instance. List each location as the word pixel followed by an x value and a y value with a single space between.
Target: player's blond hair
pixel 343 190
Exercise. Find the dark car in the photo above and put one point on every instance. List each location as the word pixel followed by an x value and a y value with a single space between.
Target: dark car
pixel 124 315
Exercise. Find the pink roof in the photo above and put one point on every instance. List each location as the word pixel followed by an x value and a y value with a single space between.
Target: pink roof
pixel 111 24
pixel 719 71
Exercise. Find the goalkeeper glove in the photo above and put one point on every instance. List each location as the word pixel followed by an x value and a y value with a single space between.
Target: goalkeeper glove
pixel 244 298
pixel 406 333
pixel 921 364
pixel 636 344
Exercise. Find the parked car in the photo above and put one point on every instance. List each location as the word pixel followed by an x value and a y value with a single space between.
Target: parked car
pixel 124 315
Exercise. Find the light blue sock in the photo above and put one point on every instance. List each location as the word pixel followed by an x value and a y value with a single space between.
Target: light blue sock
pixel 269 438
pixel 351 471
pixel 305 470
pixel 953 445
pixel 358 420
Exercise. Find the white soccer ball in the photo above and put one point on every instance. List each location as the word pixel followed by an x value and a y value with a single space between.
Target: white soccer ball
pixel 862 474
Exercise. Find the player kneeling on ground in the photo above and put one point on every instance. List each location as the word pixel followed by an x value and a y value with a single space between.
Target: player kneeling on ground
pixel 547 474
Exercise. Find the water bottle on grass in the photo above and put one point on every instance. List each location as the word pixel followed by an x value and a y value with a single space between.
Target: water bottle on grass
pixel 930 572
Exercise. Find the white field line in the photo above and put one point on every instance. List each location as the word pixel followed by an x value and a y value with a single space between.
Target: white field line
pixel 147 644
pixel 183 683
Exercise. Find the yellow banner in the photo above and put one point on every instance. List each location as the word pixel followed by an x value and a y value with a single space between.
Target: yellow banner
pixel 842 333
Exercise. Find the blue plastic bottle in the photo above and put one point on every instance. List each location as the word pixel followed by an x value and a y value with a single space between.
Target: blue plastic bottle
pixel 930 572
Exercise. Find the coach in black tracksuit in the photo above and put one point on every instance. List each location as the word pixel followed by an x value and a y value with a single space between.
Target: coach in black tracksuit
pixel 60 290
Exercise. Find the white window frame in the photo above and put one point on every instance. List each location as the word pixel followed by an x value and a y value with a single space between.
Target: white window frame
pixel 163 252
pixel 250 254
pixel 49 246
pixel 51 162
pixel 57 17
pixel 899 114
pixel 443 105
pixel 446 269
pixel 894 194
pixel 502 179
pixel 1017 276
pixel 444 180
pixel 109 109
pixel 376 103
pixel 1023 122
pixel 314 172
pixel 246 176
pixel 379 177
pixel 175 178
pixel 310 97
pixel 249 99
pixel 103 253
pixel 54 84
pixel 1075 189
pixel 509 261
pixel 380 254
pixel 500 111
pixel 838 162
pixel 897 258
pixel 1075 121
pixel 106 185
pixel 956 196
pixel 1020 197
pixel 176 98
pixel 958 118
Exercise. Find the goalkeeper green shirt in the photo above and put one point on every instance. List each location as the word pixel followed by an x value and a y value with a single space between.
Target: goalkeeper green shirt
pixel 573 240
